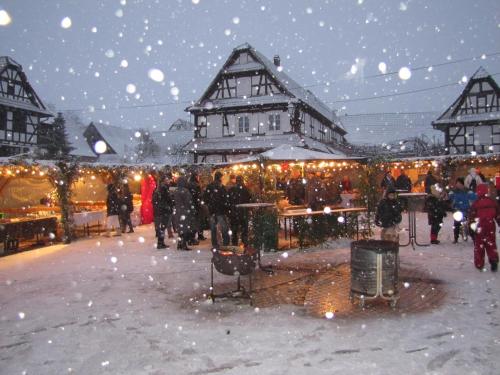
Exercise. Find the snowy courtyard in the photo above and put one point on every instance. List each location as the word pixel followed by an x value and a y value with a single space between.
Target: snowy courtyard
pixel 119 306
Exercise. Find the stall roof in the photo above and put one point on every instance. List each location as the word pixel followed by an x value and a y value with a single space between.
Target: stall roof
pixel 294 153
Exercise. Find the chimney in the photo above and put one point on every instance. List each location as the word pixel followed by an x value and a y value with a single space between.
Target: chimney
pixel 277 60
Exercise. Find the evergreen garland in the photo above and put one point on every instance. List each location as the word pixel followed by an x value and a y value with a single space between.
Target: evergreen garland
pixel 62 177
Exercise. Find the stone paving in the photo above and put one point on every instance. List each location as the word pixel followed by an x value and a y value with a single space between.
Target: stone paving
pixel 321 285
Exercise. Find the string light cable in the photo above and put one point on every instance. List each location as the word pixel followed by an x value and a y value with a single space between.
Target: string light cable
pixel 191 102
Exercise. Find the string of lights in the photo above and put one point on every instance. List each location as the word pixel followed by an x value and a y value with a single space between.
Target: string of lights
pixel 387 74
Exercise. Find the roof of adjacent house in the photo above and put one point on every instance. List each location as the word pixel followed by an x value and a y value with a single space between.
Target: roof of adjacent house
pixel 34 104
pixel 120 139
pixel 290 85
pixel 26 106
pixel 451 116
pixel 78 140
pixel 255 144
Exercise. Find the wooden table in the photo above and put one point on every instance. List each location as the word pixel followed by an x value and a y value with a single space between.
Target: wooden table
pixel 413 200
pixel 306 213
pixel 14 231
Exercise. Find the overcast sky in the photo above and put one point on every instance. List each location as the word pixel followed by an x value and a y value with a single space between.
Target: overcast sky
pixel 81 64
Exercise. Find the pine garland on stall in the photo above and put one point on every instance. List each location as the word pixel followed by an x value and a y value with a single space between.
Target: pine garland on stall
pixel 62 177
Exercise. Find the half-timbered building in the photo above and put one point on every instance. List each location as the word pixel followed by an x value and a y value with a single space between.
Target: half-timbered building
pixel 472 122
pixel 252 105
pixel 21 110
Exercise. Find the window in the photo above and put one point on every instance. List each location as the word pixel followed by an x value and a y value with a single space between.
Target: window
pixel 3 120
pixel 244 124
pixel 19 122
pixel 10 88
pixel 274 122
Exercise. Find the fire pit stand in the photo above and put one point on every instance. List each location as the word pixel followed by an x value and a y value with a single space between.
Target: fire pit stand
pixel 228 262
pixel 374 271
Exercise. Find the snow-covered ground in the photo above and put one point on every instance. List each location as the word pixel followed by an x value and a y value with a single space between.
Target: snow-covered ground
pixel 119 306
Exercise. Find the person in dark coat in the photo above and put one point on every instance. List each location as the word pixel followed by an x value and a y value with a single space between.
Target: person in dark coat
pixel 238 217
pixel 216 198
pixel 388 216
pixel 461 200
pixel 162 210
pixel 295 190
pixel 195 190
pixel 126 208
pixel 184 214
pixel 429 181
pixel 315 192
pixel 403 182
pixel 483 214
pixel 388 182
pixel 112 210
pixel 436 211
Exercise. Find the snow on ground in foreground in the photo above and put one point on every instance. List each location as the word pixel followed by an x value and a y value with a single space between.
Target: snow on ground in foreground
pixel 119 306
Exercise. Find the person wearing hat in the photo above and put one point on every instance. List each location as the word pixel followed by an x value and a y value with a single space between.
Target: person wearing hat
pixel 436 211
pixel 483 214
pixel 388 216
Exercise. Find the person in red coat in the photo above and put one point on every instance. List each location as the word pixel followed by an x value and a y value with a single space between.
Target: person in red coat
pixel 483 214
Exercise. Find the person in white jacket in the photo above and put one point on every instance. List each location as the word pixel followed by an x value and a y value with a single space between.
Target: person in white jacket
pixel 472 180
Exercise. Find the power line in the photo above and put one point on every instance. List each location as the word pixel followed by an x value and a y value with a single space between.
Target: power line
pixel 483 56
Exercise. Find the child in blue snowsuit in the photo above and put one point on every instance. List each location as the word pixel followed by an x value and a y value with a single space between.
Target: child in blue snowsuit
pixel 461 200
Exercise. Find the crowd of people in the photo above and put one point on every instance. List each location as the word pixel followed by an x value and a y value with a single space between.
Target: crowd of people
pixel 188 209
pixel 181 206
pixel 314 191
pixel 474 211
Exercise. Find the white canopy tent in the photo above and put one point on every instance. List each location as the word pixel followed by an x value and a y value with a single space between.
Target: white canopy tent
pixel 293 153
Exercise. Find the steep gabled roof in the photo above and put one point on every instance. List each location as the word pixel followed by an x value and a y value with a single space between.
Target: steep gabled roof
pixel 121 140
pixel 293 91
pixel 452 115
pixel 181 125
pixel 33 103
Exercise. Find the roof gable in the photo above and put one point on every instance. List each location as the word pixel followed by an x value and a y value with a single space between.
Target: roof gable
pixel 480 100
pixel 16 91
pixel 245 58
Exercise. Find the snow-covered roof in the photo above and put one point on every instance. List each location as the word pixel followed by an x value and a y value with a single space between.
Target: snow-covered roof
pixel 245 102
pixel 78 140
pixel 292 88
pixel 297 90
pixel 180 124
pixel 255 144
pixel 288 152
pixel 474 118
pixel 380 128
pixel 120 139
pixel 25 106
pixel 31 102
pixel 6 61
pixel 452 115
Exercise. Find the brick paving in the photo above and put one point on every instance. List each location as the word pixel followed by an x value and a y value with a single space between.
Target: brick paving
pixel 314 281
